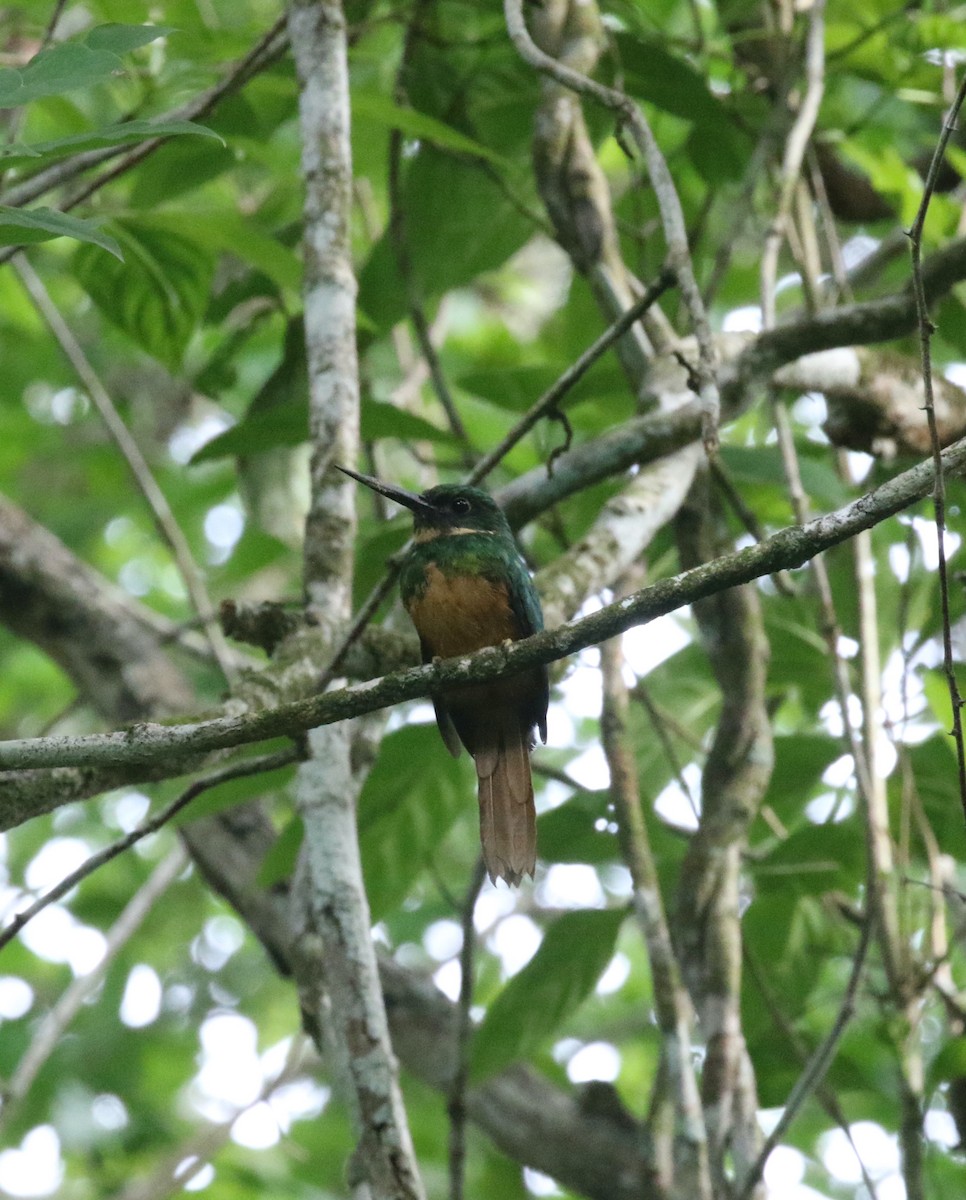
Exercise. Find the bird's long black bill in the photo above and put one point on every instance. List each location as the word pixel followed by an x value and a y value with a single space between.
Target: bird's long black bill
pixel 410 500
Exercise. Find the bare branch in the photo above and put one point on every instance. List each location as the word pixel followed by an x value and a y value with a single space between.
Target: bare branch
pixel 553 396
pixel 104 640
pixel 672 215
pixel 736 773
pixel 817 1065
pixel 919 287
pixel 795 146
pixel 691 1175
pixel 46 1039
pixel 334 957
pixel 236 770
pixel 164 519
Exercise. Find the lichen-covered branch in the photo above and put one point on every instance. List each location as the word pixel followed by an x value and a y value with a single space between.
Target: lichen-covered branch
pixel 736 774
pixel 683 1173
pixel 669 204
pixel 147 744
pixel 618 537
pixel 96 633
pixel 571 182
pixel 333 956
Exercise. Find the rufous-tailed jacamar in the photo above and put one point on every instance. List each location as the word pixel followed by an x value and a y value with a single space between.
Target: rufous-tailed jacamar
pixel 465 586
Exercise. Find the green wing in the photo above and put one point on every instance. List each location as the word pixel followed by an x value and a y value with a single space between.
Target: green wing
pixel 525 604
pixel 523 598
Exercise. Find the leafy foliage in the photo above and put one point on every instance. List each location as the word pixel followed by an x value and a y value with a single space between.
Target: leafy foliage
pixel 184 291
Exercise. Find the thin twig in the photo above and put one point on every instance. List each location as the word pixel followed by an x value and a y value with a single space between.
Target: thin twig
pixel 464 1033
pixel 671 1002
pixel 838 286
pixel 870 786
pixel 564 447
pixel 939 490
pixel 882 878
pixel 658 723
pixel 164 518
pixel 48 1036
pixel 546 771
pixel 630 116
pixel 365 614
pixel 818 1064
pixel 749 519
pixel 741 208
pixel 882 903
pixel 826 1097
pixel 573 374
pixel 795 146
pixel 237 770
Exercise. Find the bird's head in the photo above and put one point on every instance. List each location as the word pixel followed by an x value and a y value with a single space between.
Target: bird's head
pixel 450 508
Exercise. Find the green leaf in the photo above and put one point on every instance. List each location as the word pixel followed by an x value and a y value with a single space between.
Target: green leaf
pixel 62 68
pixel 417 124
pixel 570 832
pixel 119 39
pixel 668 82
pixel 235 234
pixel 459 224
pixel 816 858
pixel 180 166
pixel 800 761
pixel 110 135
pixel 410 800
pixel 934 769
pixel 763 465
pixel 160 293
pixel 949 1063
pixel 572 957
pixel 935 686
pixel 233 792
pixel 279 862
pixel 717 151
pixel 287 425
pixel 381 420
pixel 24 226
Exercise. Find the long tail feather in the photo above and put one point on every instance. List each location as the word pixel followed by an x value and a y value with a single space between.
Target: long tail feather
pixel 508 823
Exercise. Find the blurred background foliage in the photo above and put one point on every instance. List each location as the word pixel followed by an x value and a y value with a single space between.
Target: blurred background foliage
pixel 187 1051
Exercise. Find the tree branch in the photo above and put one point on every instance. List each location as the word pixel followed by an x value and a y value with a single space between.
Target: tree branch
pixel 735 777
pixel 149 743
pixel 164 519
pixel 46 1039
pixel 789 355
pixel 334 957
pixel 939 492
pixel 675 1015
pixel 669 204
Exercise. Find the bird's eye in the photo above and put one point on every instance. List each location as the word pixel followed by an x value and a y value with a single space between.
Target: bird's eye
pixel 461 505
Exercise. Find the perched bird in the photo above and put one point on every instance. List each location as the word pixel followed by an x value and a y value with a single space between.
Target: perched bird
pixel 465 586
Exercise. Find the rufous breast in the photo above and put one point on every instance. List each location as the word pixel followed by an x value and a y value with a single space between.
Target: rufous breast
pixel 457 614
